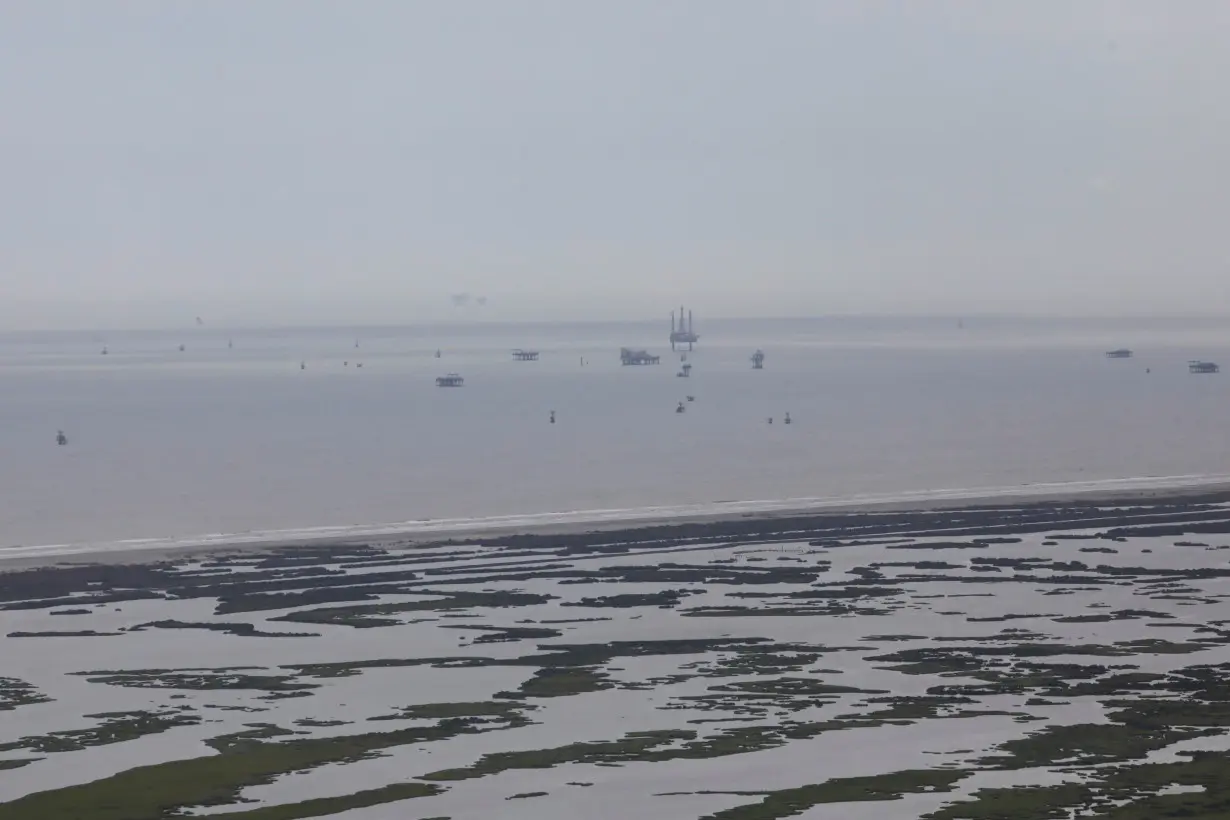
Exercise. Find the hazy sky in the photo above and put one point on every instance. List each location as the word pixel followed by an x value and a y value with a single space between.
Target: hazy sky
pixel 289 161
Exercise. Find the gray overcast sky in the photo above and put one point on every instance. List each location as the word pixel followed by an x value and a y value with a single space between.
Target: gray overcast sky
pixel 289 161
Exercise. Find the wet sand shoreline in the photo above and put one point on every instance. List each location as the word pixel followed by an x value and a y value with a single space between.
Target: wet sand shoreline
pixel 1055 510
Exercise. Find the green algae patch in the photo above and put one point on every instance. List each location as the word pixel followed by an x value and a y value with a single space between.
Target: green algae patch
pixel 200 680
pixel 440 711
pixel 113 728
pixel 633 746
pixel 325 806
pixel 243 760
pixel 15 692
pixel 791 802
pixel 1137 728
pixel 506 634
pixel 240 629
pixel 1087 744
pixel 526 795
pixel 376 615
pixel 1131 792
pixel 1115 784
pixel 84 633
pixel 793 687
pixel 665 599
pixel 668 745
pixel 1024 802
pixel 1207 772
pixel 554 682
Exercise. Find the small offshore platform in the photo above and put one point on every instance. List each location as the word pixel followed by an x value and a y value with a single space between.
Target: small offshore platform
pixel 450 380
pixel 1121 353
pixel 684 333
pixel 1202 367
pixel 628 356
pixel 525 355
pixel 758 360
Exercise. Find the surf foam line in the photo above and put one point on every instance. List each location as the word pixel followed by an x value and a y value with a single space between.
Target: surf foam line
pixel 445 527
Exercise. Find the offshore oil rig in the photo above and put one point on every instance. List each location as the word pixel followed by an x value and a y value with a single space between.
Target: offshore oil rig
pixel 684 333
pixel 629 356
pixel 758 360
pixel 1197 366
pixel 525 355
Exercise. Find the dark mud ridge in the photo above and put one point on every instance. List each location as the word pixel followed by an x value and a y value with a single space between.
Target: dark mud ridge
pixel 294 576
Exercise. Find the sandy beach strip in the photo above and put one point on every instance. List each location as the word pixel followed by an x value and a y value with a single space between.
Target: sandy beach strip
pixel 716 521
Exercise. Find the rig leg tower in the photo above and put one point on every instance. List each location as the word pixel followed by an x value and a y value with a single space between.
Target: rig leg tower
pixel 684 332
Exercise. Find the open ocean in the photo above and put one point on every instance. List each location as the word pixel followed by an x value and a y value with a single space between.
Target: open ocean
pixel 214 440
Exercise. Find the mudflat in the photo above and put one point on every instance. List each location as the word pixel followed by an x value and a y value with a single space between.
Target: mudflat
pixel 1016 658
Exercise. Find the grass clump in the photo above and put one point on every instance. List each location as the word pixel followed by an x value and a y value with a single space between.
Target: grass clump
pixel 475 709
pixel 325 806
pixel 247 759
pixel 114 728
pixel 15 692
pixel 632 746
pixel 791 802
pixel 554 682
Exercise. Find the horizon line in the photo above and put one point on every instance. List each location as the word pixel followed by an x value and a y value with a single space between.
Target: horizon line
pixel 474 322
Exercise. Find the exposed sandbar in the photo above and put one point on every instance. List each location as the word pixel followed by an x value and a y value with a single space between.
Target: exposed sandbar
pixel 1009 514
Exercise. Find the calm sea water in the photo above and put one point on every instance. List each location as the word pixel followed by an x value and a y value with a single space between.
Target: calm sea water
pixel 214 439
